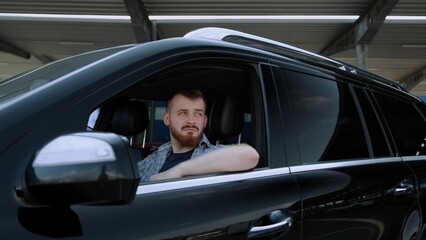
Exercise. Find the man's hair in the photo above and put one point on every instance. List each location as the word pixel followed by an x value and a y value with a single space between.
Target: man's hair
pixel 189 93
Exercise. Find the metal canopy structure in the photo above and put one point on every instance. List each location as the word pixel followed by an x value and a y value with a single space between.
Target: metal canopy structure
pixel 372 36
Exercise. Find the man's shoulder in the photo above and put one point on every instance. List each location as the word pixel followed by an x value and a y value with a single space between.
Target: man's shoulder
pixel 161 151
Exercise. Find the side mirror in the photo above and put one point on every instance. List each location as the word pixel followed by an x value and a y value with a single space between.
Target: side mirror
pixel 82 168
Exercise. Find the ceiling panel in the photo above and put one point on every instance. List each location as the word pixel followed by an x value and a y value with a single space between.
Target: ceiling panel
pixel 255 7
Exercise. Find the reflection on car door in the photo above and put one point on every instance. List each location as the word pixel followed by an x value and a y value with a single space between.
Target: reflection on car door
pixel 356 200
pixel 407 124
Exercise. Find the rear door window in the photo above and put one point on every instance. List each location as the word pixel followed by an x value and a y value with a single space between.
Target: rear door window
pixel 326 118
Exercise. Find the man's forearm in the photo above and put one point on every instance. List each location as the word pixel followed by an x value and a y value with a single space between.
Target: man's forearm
pixel 229 159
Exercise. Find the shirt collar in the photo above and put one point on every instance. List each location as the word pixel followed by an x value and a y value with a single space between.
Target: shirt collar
pixel 204 142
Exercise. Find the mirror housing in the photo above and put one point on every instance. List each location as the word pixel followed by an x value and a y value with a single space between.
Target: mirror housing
pixel 83 168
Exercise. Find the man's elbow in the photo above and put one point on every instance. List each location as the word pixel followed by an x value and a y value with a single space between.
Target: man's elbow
pixel 251 157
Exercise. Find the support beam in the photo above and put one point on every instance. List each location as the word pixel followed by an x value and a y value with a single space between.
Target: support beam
pixel 154 34
pixel 411 81
pixel 362 55
pixel 8 47
pixel 364 29
pixel 141 24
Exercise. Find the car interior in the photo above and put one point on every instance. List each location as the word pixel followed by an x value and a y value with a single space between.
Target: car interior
pixel 137 112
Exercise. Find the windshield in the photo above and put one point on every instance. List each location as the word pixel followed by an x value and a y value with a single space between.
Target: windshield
pixel 32 79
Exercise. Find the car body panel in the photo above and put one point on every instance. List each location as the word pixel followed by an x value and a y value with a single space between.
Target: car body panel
pixel 361 197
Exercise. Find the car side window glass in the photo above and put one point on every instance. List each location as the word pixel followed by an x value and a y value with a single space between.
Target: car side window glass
pixel 406 123
pixel 380 145
pixel 92 119
pixel 327 121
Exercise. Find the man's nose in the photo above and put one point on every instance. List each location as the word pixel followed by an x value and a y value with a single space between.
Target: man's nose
pixel 191 118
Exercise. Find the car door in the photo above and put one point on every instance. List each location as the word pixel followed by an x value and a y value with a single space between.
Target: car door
pixel 263 203
pixel 353 185
pixel 406 120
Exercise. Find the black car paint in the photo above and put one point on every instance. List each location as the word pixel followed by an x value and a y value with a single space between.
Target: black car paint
pixel 357 198
pixel 314 196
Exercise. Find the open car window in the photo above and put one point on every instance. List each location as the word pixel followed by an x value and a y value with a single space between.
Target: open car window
pixel 217 80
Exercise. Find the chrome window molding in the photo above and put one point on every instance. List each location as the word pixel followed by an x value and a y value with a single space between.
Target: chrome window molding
pixel 414 158
pixel 205 181
pixel 348 163
pixel 156 187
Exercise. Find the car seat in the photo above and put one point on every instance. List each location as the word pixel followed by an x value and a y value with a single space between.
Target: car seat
pixel 226 119
pixel 130 118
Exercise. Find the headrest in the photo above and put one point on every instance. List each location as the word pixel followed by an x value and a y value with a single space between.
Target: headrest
pixel 226 118
pixel 130 118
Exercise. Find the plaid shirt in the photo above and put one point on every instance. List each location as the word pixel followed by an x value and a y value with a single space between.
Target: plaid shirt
pixel 152 164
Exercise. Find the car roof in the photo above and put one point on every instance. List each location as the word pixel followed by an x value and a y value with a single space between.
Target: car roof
pixel 286 50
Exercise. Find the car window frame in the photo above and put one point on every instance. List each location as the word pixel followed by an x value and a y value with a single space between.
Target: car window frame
pixel 257 108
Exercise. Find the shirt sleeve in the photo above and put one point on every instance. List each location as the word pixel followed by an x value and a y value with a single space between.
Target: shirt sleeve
pixel 147 167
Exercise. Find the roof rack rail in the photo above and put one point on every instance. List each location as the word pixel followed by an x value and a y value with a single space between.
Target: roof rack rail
pixel 282 49
pixel 269 45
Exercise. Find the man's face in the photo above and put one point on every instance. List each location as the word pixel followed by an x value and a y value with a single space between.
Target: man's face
pixel 186 119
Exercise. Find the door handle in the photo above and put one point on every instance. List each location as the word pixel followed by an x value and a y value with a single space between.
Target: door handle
pixel 403 189
pixel 280 222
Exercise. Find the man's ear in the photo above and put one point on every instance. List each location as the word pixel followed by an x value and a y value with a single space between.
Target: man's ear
pixel 166 118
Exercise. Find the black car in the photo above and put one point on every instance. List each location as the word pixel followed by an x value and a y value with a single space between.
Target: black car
pixel 342 151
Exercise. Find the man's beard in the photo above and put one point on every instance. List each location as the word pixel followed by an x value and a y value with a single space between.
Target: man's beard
pixel 189 139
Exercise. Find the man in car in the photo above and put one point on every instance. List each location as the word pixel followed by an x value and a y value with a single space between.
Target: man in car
pixel 189 152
